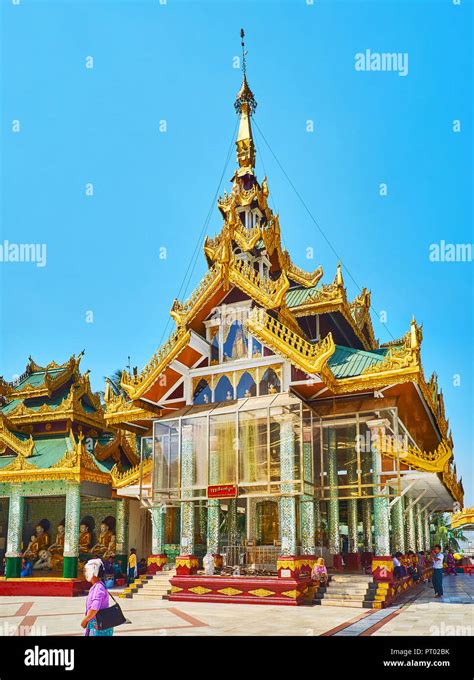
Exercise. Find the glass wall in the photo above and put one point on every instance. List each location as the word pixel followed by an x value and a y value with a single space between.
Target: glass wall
pixel 166 458
pixel 343 455
pixel 241 443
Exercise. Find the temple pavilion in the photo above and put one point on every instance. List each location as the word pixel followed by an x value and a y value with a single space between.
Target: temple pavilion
pixel 273 424
pixel 58 505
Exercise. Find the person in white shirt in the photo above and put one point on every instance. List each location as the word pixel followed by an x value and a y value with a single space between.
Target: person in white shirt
pixel 438 559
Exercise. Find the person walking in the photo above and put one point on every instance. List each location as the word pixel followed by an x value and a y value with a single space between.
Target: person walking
pixel 451 563
pixel 132 567
pixel 97 598
pixel 438 559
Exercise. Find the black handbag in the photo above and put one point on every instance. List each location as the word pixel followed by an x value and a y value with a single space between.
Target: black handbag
pixel 111 617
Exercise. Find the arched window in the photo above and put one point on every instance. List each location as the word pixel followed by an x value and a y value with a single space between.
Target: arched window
pixel 224 390
pixel 246 386
pixel 202 393
pixel 270 382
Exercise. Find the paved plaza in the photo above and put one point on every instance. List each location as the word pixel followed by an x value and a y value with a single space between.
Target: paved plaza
pixel 418 615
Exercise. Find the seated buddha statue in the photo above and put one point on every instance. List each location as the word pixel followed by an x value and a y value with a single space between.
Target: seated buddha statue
pixel 42 537
pixel 32 551
pixel 57 548
pixel 84 538
pixel 110 552
pixel 103 540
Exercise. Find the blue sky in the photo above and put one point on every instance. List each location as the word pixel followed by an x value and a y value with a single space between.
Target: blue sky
pixel 153 189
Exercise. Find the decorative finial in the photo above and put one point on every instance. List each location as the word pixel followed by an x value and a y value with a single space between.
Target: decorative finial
pixel 245 94
pixel 244 53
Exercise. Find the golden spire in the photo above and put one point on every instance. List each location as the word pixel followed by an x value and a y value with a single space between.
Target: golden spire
pixel 245 106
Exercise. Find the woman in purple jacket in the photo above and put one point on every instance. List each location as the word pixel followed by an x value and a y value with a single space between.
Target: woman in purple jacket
pixel 97 598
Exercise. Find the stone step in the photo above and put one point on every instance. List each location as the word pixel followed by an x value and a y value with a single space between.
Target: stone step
pixel 342 603
pixel 351 578
pixel 352 586
pixel 344 593
pixel 341 596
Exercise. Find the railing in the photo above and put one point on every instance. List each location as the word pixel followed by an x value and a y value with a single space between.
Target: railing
pixel 282 339
pixel 121 478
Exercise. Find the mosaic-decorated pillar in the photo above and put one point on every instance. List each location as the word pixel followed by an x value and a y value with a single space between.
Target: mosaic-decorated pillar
pixel 186 563
pixel 15 528
pixel 381 504
pixel 352 517
pixel 213 508
pixel 419 531
pixel 287 503
pixel 121 532
pixel 367 524
pixel 398 525
pixel 410 542
pixel 333 503
pixel 213 520
pixel 307 511
pixel 71 534
pixel 233 532
pixel 426 519
pixel 317 523
pixel 158 558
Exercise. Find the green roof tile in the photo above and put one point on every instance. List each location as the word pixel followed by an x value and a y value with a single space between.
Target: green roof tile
pixel 298 296
pixel 347 362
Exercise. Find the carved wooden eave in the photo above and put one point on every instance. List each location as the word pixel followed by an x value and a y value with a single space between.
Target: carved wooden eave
pixel 50 383
pixel 23 448
pixel 122 479
pixel 77 465
pixel 136 385
pixel 70 408
pixel 463 519
pixel 113 448
pixel 124 412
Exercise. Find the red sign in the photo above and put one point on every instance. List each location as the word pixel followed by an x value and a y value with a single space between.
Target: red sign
pixel 222 491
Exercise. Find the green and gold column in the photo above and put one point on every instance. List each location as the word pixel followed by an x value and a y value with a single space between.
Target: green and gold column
pixel 158 530
pixel 287 502
pixel 352 518
pixel 333 502
pixel 187 507
pixel 317 523
pixel 71 534
pixel 307 510
pixel 121 532
pixel 15 529
pixel 426 519
pixel 420 539
pixel 398 525
pixel 367 524
pixel 410 528
pixel 381 504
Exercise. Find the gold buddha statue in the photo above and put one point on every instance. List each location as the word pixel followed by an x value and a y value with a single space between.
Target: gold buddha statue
pixel 32 550
pixel 42 537
pixel 57 548
pixel 110 552
pixel 103 540
pixel 84 538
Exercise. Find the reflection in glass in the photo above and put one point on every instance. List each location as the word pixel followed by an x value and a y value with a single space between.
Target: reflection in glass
pixel 222 449
pixel 166 454
pixel 253 446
